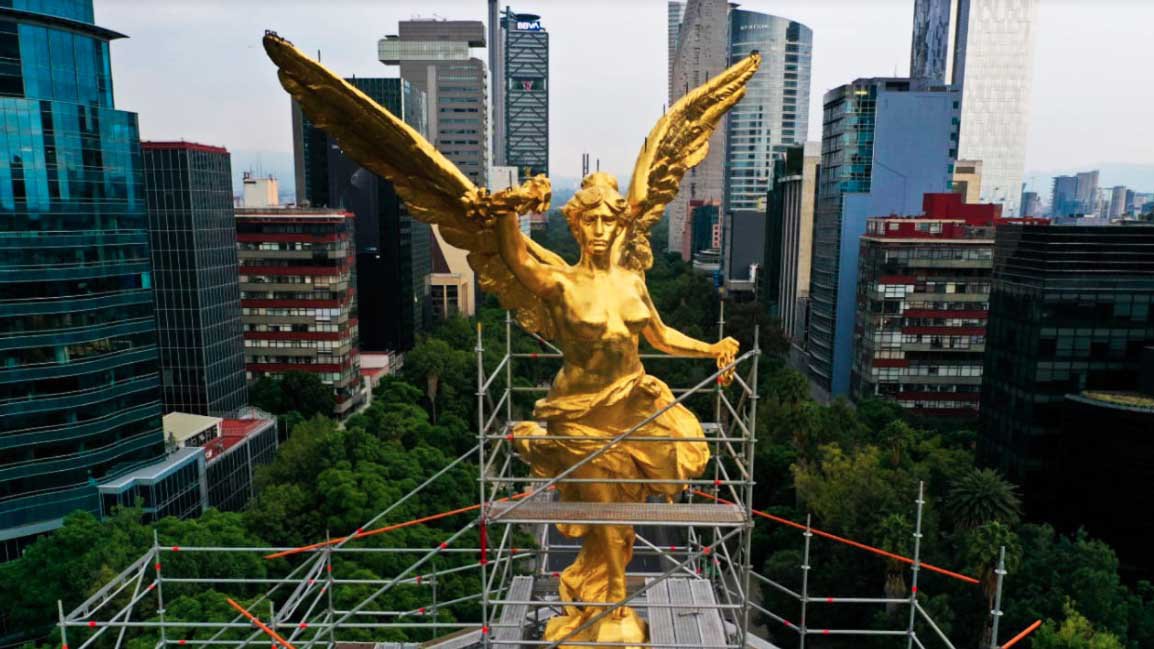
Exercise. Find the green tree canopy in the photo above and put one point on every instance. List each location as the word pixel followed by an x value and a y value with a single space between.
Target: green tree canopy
pixel 301 392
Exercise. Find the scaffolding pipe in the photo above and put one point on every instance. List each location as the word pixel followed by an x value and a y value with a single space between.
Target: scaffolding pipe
pixel 747 562
pixel 849 542
pixel 930 621
pixel 260 625
pixel 917 565
pixel 805 579
pixel 101 627
pixel 626 434
pixel 996 614
pixel 130 606
pixel 593 438
pixel 63 627
pixel 159 586
pixel 482 426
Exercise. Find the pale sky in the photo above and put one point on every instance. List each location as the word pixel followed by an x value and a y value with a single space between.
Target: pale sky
pixel 195 70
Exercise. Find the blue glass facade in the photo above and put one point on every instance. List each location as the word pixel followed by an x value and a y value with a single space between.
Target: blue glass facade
pixel 885 143
pixel 79 389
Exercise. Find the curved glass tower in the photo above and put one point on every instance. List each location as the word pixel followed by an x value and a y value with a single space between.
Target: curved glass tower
pixel 774 114
pixel 79 388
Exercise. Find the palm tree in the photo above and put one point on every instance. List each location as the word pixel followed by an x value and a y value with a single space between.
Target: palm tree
pixel 981 548
pixel 982 496
pixel 894 534
pixel 896 437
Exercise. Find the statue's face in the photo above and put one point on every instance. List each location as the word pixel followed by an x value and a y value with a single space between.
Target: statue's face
pixel 598 226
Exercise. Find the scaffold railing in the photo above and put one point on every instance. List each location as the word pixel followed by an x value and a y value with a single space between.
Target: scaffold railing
pixel 691 574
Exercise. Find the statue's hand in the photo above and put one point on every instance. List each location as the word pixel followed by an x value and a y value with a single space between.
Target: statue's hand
pixel 531 196
pixel 725 351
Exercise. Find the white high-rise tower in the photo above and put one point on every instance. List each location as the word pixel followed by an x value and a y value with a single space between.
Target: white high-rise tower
pixel 986 48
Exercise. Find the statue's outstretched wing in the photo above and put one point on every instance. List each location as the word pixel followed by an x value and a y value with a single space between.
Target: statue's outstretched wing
pixel 433 188
pixel 678 142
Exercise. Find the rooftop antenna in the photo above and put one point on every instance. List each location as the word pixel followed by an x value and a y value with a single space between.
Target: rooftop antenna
pixel 598 164
pixel 584 165
pixel 318 55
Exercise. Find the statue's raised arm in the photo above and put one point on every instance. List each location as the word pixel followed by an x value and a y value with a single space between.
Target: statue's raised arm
pixel 433 188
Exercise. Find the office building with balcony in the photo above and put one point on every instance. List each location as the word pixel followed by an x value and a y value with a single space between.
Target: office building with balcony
pixel 389 243
pixel 1070 312
pixel 188 189
pixel 80 393
pixel 435 56
pixel 985 49
pixel 298 297
pixel 922 304
pixel 885 143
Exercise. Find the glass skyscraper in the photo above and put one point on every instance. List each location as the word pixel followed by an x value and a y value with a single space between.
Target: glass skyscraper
pixel 985 49
pixel 192 227
pixel 521 95
pixel 79 384
pixel 774 114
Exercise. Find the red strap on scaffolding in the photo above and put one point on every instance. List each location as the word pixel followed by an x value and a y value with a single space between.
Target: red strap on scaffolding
pixel 845 541
pixel 261 625
pixel 1021 636
pixel 484 543
pixel 387 528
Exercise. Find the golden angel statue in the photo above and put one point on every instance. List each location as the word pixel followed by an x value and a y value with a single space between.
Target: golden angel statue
pixel 595 311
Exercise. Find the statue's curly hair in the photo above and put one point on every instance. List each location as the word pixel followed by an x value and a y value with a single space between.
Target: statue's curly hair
pixel 598 188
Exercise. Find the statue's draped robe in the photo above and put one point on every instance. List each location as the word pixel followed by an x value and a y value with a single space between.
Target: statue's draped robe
pixel 624 404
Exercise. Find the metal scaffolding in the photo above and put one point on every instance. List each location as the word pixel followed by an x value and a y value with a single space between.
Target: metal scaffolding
pixel 691 577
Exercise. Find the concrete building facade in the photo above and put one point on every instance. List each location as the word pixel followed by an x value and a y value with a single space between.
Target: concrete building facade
pixel 923 301
pixel 967 180
pixel 435 56
pixel 702 52
pixel 789 253
pixel 675 9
